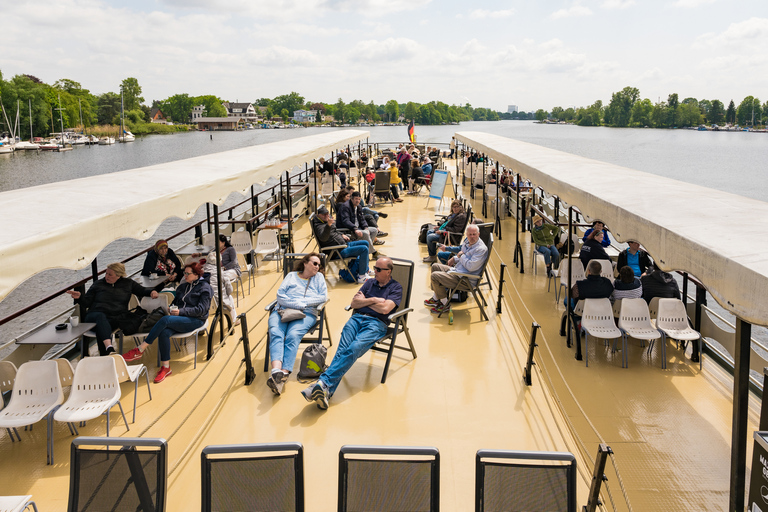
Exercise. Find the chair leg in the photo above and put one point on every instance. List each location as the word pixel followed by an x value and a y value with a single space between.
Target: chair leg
pixel 135 394
pixel 586 347
pixel 266 355
pixel 123 413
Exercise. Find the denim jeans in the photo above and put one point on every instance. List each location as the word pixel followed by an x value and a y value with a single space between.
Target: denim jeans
pixel 359 249
pixel 284 338
pixel 448 253
pixel 358 336
pixel 550 254
pixel 374 213
pixel 432 240
pixel 167 327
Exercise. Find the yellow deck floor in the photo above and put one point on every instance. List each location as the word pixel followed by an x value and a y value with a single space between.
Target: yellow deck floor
pixel 669 429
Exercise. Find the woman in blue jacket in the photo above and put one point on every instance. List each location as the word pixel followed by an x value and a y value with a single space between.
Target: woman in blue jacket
pixel 301 290
pixel 189 311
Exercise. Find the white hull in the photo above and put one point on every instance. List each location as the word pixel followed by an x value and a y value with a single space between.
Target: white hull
pixel 4 150
pixel 105 141
pixel 28 146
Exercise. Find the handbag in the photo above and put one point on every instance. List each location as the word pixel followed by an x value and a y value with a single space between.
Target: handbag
pixel 290 314
pixel 312 362
pixel 151 319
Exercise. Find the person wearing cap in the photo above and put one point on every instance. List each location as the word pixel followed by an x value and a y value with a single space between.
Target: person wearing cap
pixel 599 226
pixel 351 217
pixel 324 228
pixel 161 260
pixel 634 257
pixel 106 303
pixel 543 236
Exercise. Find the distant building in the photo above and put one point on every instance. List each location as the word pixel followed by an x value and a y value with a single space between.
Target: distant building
pixel 305 116
pixel 156 116
pixel 229 123
pixel 243 110
pixel 198 112
pixel 511 108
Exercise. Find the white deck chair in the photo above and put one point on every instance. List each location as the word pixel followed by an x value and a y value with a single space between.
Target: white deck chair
pixel 7 378
pixel 672 322
pixel 635 321
pixel 196 333
pixel 131 373
pixel 577 270
pixel 66 372
pixel 267 243
pixel 36 394
pixel 597 321
pixel 243 244
pixel 209 240
pixel 16 503
pixel 95 390
pixel 606 269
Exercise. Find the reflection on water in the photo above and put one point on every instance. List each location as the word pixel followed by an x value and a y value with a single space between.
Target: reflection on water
pixel 729 161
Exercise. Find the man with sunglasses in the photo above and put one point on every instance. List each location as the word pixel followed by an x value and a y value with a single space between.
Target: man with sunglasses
pixel 372 304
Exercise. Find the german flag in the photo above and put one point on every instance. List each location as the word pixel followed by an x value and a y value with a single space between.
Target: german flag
pixel 411 133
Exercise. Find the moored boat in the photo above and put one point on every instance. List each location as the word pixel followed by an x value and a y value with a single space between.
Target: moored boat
pixel 106 141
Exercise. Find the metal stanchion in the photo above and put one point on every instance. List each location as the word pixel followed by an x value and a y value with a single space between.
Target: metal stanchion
pixel 250 373
pixel 531 347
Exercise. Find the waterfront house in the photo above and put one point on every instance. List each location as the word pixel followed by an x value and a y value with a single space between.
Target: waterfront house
pixel 219 123
pixel 197 112
pixel 306 116
pixel 156 116
pixel 243 110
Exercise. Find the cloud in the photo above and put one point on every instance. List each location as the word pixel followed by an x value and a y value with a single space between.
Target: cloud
pixel 280 56
pixel 617 4
pixel 745 36
pixel 485 13
pixel 692 3
pixel 388 50
pixel 574 11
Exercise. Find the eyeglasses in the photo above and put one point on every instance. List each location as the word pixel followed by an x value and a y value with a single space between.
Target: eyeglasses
pixel 377 269
pixel 188 273
pixel 315 263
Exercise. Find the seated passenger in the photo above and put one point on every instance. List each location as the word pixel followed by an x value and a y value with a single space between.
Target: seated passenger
pixel 161 260
pixel 455 223
pixel 469 260
pixel 658 283
pixel 426 166
pixel 594 286
pixel 593 248
pixel 324 228
pixel 230 268
pixel 543 236
pixel 189 311
pixel 209 267
pixel 636 258
pixel 627 286
pixel 598 226
pixel 304 290
pixel 394 181
pixel 373 303
pixel 415 177
pixel 106 304
pixel 351 217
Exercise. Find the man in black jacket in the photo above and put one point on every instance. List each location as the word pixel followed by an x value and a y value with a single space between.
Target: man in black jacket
pixel 351 217
pixel 324 228
pixel 659 284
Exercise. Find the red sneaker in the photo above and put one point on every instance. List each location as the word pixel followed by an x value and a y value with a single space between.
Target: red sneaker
pixel 132 355
pixel 162 374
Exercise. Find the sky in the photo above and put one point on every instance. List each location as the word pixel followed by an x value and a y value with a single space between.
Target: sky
pixel 533 54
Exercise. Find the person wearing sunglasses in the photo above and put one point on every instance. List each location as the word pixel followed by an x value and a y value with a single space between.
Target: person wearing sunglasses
pixel 372 304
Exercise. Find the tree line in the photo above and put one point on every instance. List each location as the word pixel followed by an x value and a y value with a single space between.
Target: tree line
pixel 627 109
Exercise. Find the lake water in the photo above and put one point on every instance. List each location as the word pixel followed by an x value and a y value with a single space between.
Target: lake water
pixel 729 161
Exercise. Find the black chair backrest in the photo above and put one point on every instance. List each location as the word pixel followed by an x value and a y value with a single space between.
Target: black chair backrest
pixel 291 259
pixel 389 478
pixel 130 477
pixel 403 274
pixel 266 476
pixel 381 183
pixel 530 481
pixel 486 232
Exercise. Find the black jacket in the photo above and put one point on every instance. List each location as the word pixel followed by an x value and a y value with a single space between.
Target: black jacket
pixel 592 250
pixel 112 299
pixel 326 235
pixel 150 265
pixel 594 287
pixel 347 215
pixel 644 260
pixel 659 284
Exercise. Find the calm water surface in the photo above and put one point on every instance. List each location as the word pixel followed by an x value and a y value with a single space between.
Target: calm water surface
pixel 729 161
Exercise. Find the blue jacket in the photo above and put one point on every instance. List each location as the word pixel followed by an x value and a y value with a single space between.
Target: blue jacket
pixel 297 293
pixel 347 216
pixel 194 300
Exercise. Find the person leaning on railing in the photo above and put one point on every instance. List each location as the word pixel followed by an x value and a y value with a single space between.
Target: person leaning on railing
pixel 106 303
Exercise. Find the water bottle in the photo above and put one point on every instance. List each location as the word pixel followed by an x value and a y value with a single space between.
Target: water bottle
pixel 450 316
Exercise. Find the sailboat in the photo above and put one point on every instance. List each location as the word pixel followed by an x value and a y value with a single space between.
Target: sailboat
pixel 29 145
pixel 126 135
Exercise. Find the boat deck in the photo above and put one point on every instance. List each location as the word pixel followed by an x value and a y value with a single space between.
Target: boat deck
pixel 669 429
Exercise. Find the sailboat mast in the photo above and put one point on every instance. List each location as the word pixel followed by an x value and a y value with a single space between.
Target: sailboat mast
pixel 61 120
pixel 122 114
pixel 31 136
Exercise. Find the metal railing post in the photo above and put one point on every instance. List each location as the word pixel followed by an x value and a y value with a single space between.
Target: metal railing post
pixel 501 285
pixel 219 303
pixel 598 477
pixel 740 424
pixel 250 373
pixel 95 270
pixel 531 346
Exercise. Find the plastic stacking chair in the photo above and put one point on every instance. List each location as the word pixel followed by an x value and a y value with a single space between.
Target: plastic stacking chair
pixel 270 476
pixel 635 321
pixel 606 269
pixel 36 395
pixel 209 240
pixel 196 333
pixel 131 373
pixel 577 270
pixel 122 473
pixel 267 243
pixel 95 390
pixel 149 304
pixel 7 378
pixel 597 321
pixel 16 503
pixel 389 478
pixel 512 480
pixel 672 322
pixel 66 372
pixel 243 244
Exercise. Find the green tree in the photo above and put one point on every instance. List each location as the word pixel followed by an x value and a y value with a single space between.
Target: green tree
pixel 590 116
pixel 411 111
pixel 262 102
pixel 352 114
pixel 393 111
pixel 541 115
pixel 730 114
pixel 558 113
pixel 619 110
pixel 108 106
pixel 641 113
pixel 213 106
pixel 131 93
pixel 319 117
pixel 689 114
pixel 659 116
pixel 673 103
pixel 284 114
pixel 746 110
pixel 290 102
pixel 717 112
pixel 339 110
pixel 178 107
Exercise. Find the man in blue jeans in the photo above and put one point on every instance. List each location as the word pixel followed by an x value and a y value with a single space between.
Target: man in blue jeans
pixel 373 303
pixel 324 228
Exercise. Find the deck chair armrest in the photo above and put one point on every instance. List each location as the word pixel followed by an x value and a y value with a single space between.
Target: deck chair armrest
pixel 347 308
pixel 271 305
pixel 468 276
pixel 333 248
pixel 321 307
pixel 400 313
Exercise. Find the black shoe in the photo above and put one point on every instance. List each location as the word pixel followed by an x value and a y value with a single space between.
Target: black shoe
pixel 383 215
pixel 382 234
pixel 110 350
